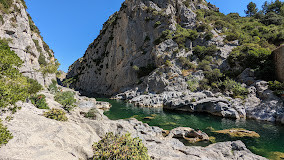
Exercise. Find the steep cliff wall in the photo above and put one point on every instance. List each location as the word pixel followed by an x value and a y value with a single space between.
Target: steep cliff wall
pixel 24 38
pixel 128 40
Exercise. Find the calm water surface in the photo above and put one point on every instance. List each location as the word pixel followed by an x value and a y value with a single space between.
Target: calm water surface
pixel 271 140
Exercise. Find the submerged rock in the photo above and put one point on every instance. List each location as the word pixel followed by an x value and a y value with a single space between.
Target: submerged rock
pixel 188 134
pixel 238 132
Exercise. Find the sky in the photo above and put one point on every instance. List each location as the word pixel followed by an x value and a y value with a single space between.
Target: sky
pixel 69 26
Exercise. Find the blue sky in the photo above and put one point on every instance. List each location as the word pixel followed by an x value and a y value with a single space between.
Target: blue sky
pixel 69 26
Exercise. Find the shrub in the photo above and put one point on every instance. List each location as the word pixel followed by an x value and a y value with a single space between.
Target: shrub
pixel 53 87
pixel 66 99
pixel 249 56
pixel 39 101
pixel 182 34
pixel 136 68
pixel 41 60
pixel 277 87
pixel 5 5
pixel 56 114
pixel 157 24
pixel 50 68
pixel 91 114
pixel 120 147
pixel 192 84
pixel 208 36
pixel 186 63
pixel 213 75
pixel 233 86
pixel 168 63
pixel 232 36
pixel 34 86
pixel 167 34
pixel 37 45
pixel 202 51
pixel 5 134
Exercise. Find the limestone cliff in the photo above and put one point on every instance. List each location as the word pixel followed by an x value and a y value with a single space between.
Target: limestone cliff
pixel 128 39
pixel 24 38
pixel 183 55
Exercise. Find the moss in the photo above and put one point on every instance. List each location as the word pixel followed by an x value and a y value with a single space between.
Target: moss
pixel 276 155
pixel 238 132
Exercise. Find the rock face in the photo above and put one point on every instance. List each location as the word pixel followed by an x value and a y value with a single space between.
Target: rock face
pixel 36 137
pixel 24 38
pixel 126 41
pixel 279 62
pixel 132 59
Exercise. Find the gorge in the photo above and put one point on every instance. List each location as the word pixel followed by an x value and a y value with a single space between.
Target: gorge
pixel 178 75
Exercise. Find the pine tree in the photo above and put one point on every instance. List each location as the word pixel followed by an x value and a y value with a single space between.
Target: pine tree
pixel 251 9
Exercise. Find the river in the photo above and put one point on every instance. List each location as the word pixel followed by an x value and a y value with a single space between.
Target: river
pixel 271 140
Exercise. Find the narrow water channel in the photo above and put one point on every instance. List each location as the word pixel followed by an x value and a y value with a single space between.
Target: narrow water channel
pixel 271 140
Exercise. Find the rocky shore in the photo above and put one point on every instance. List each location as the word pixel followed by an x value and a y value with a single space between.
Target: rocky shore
pixel 261 103
pixel 36 137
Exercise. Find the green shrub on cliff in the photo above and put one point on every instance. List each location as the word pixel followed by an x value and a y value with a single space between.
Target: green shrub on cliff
pixel 66 99
pixel 56 114
pixel 120 147
pixel 13 86
pixel 5 134
pixel 39 101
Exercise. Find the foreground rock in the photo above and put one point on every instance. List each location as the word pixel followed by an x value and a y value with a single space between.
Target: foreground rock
pixel 36 137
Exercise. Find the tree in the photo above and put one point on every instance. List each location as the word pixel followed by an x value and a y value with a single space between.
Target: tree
pixel 251 9
pixel 275 7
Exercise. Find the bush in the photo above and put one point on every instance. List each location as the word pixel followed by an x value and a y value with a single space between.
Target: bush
pixel 277 87
pixel 232 36
pixel 56 114
pixel 120 147
pixel 249 56
pixel 5 134
pixel 41 60
pixel 157 24
pixel 234 87
pixel 182 34
pixel 186 63
pixel 34 86
pixel 213 75
pixel 202 51
pixel 192 84
pixel 168 63
pixel 53 87
pixel 66 99
pixel 39 101
pixel 91 114
pixel 167 34
pixel 50 68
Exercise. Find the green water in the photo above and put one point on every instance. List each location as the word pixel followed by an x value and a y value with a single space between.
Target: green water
pixel 271 140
